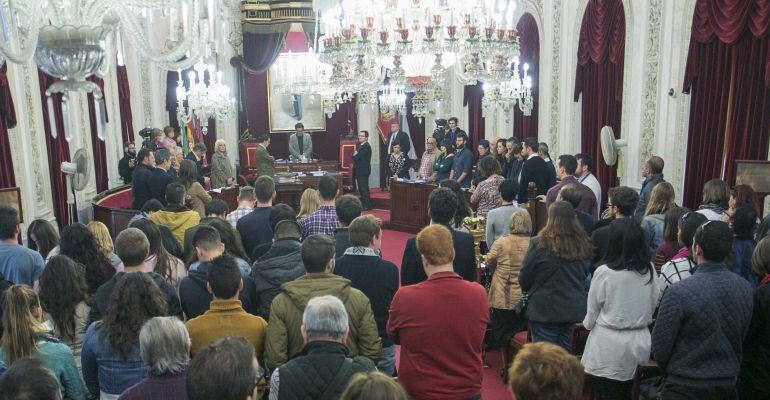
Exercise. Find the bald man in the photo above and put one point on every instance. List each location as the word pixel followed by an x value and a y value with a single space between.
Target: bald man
pixel 653 175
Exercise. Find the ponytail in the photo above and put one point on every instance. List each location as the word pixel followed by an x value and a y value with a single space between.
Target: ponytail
pixel 19 323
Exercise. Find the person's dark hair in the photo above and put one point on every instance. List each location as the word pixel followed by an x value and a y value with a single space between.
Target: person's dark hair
pixel 206 237
pixel 463 209
pixel 655 164
pixel 287 229
pixel 281 212
pixel 299 125
pixel 671 223
pixel 488 166
pixel 569 163
pixel 503 141
pixel 624 198
pixel 716 192
pixel 200 147
pixel 624 251
pixel 462 135
pixel 760 258
pixel 42 236
pixel 484 143
pixel 328 188
pixel 586 160
pixel 263 138
pixel 163 260
pixel 188 173
pixel 364 229
pixel 223 370
pixel 572 194
pixel 175 194
pixel 532 143
pixel 746 194
pixel 264 187
pixel 317 250
pixel 9 221
pixel 715 240
pixel 79 244
pixel 688 224
pixel 563 236
pixel 442 205
pixel 453 119
pixel 450 147
pixel 542 147
pixel 247 193
pixel 135 299
pixel 216 207
pixel 224 277
pixel 517 148
pixel 132 246
pixel 231 239
pixel 152 205
pixel 62 287
pixel 373 385
pixel 161 156
pixel 143 154
pixel 509 188
pixel 744 221
pixel 365 133
pixel 29 379
pixel 348 207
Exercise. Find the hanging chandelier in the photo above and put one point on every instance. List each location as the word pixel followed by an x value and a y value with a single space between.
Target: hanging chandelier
pixel 392 99
pixel 300 73
pixel 204 100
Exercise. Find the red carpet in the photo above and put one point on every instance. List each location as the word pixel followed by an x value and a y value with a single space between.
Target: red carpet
pixel 493 388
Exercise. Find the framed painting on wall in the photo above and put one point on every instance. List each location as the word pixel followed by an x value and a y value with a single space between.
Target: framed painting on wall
pixel 286 110
pixel 11 197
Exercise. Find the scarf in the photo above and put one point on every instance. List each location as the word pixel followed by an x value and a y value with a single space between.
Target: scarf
pixel 713 207
pixel 361 251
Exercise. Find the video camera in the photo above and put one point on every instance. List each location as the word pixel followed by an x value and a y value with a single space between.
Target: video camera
pixel 146 134
pixel 441 125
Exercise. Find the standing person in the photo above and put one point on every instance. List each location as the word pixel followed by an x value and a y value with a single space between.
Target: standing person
pixel 453 130
pixel 754 381
pixel 427 160
pixel 542 151
pixel 660 201
pixel 300 144
pixel 222 173
pixel 487 193
pixel 324 220
pixel 362 168
pixel 281 264
pixel 42 237
pixel 363 265
pixel 669 246
pixel 585 175
pixel 653 175
pixel 197 155
pixel 127 164
pixel 534 170
pixel 463 206
pixel 553 274
pixel 140 179
pixel 246 202
pixel 572 194
pixel 565 171
pixel 742 222
pixel 716 199
pixel 698 339
pixel 254 227
pixel 498 219
pixel 24 335
pixel 501 149
pixel 158 259
pixel 199 197
pixel 545 371
pixel 484 151
pixel 621 201
pixel 175 215
pixel 18 264
pixel 348 208
pixel 397 136
pixel 442 167
pixel 79 244
pixel 233 247
pixel 682 264
pixel 29 378
pixel 621 302
pixel 398 164
pixel 265 163
pixel 224 370
pixel 444 312
pixel 162 176
pixel 280 212
pixel 462 166
pixel 104 240
pixel 308 203
pixel 368 385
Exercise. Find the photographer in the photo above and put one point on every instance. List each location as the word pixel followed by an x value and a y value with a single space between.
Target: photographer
pixel 127 163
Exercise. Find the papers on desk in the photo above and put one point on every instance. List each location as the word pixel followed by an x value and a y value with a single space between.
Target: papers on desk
pixel 217 190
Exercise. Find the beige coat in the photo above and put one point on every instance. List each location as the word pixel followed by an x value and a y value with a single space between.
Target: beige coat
pixel 506 256
pixel 199 198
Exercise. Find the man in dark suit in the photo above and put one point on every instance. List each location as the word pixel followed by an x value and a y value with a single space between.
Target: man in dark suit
pixel 196 156
pixel 140 179
pixel 265 163
pixel 362 168
pixel 454 130
pixel 161 176
pixel 398 137
pixel 442 205
pixel 127 164
pixel 534 170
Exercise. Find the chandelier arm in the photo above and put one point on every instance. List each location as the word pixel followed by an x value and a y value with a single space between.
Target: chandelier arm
pixel 27 52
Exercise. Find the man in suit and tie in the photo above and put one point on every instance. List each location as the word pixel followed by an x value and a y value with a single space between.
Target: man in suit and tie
pixel 453 131
pixel 362 168
pixel 398 137
pixel 534 170
pixel 196 156
pixel 161 176
pixel 300 144
pixel 265 163
pixel 140 179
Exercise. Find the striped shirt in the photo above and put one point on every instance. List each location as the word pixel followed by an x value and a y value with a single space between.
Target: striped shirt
pixel 322 221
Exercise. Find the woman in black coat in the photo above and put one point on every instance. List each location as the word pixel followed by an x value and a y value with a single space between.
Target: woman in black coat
pixel 398 164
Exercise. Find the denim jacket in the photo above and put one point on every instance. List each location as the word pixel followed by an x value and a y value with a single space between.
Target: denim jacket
pixel 104 370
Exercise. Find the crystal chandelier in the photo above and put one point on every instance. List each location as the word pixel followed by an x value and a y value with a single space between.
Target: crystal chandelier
pixel 300 73
pixel 204 100
pixel 392 99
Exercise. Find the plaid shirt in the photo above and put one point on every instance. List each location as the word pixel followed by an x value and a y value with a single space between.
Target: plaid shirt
pixel 237 214
pixel 323 221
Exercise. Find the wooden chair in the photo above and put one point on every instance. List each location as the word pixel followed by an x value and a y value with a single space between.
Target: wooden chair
pixel 649 370
pixel 509 352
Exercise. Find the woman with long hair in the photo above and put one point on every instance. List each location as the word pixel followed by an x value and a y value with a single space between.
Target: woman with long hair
pixel 742 194
pixel 233 247
pixel 79 244
pixel 463 208
pixel 188 177
pixel 398 164
pixel 26 336
pixel 64 297
pixel 553 275
pixel 111 359
pixel 669 246
pixel 621 303
pixel 661 200
pixel 222 173
pixel 716 199
pixel 308 203
pixel 102 235
pixel 42 236
pixel 487 193
pixel 159 260
pixel 442 167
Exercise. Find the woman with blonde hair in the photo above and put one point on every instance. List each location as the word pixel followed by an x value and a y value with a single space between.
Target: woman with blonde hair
pixel 188 177
pixel 553 275
pixel 222 173
pixel 25 335
pixel 373 386
pixel 102 235
pixel 661 200
pixel 308 203
pixel 504 260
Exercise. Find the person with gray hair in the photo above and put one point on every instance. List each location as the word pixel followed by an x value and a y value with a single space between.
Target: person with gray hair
pixel 161 176
pixel 165 347
pixel 322 369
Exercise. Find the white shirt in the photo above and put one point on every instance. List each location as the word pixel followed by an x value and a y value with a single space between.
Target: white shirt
pixel 593 184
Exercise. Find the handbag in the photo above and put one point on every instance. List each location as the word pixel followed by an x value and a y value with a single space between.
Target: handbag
pixel 521 306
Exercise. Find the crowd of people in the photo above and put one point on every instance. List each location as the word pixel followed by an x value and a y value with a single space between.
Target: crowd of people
pixel 270 302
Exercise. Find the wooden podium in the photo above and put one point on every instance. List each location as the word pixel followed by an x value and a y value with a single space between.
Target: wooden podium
pixel 409 205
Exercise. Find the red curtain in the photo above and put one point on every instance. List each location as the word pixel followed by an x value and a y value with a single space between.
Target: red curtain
pixel 526 126
pixel 472 98
pixel 58 150
pixel 599 79
pixel 729 112
pixel 124 98
pixel 100 150
pixel 7 121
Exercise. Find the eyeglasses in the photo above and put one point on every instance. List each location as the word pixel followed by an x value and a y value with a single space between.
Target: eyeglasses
pixel 685 216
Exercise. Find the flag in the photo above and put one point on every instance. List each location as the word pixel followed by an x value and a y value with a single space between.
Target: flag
pixel 383 124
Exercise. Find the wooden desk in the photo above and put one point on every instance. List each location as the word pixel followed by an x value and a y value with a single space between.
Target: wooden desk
pixel 291 193
pixel 328 166
pixel 229 195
